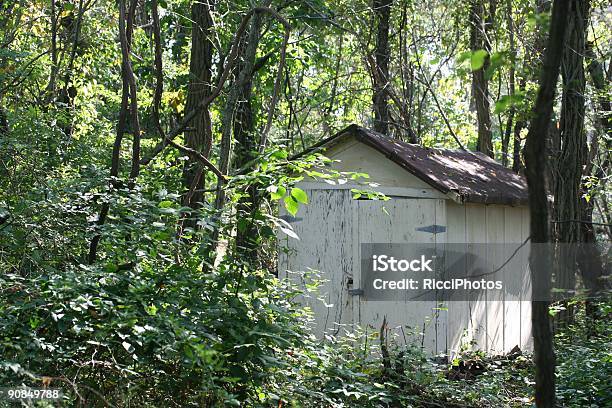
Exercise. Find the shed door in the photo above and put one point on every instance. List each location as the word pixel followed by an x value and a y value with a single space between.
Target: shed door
pixel 398 221
pixel 324 252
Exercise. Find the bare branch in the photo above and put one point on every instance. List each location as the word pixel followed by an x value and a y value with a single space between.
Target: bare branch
pixel 279 74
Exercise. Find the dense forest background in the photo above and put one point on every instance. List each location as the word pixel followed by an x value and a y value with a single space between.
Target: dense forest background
pixel 144 152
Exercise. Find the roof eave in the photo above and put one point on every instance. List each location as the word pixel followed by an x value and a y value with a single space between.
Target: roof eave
pixel 362 136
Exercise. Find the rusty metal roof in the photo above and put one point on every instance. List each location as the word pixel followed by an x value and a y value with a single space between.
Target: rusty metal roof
pixel 473 176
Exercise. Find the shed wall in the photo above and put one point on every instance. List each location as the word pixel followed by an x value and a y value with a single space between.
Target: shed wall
pixel 354 156
pixel 501 324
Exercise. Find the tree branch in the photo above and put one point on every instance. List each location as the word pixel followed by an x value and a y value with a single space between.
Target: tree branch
pixel 231 62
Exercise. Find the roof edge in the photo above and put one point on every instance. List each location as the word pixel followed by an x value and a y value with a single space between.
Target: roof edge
pixel 335 138
pixel 361 135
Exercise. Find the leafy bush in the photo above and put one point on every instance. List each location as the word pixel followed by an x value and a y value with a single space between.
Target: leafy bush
pixel 159 337
pixel 584 365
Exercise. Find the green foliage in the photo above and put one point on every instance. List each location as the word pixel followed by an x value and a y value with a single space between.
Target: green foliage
pixel 584 358
pixel 477 59
pixel 151 334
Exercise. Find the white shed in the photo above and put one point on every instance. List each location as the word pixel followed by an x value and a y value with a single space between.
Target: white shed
pixel 438 196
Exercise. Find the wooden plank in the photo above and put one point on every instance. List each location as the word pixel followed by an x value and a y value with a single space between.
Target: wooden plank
pixel 513 274
pixel 458 311
pixel 476 223
pixel 442 308
pixel 323 227
pixel 495 258
pixel 526 337
pixel 356 272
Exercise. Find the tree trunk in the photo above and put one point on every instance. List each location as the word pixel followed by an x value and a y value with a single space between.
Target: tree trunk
pixel 535 157
pixel 511 84
pixel 517 164
pixel 199 136
pixel 120 130
pixel 382 11
pixel 246 143
pixel 238 120
pixel 571 156
pixel 480 22
pixel 591 259
pixel 68 92
pixel 53 51
pixel 4 125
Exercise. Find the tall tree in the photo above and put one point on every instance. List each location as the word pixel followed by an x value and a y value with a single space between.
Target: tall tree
pixel 481 23
pixel 572 144
pixel 128 102
pixel 243 128
pixel 239 121
pixel 382 12
pixel 572 154
pixel 511 83
pixel 199 136
pixel 535 158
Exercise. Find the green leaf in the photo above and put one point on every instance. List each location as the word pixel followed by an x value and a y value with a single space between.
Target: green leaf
pixel 242 225
pixel 299 195
pixel 507 101
pixel 280 154
pixel 291 205
pixel 464 56
pixel 278 192
pixel 497 60
pixel 502 104
pixel 477 60
pixel 165 204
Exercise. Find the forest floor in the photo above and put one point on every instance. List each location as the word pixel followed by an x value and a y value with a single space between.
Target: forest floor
pixel 584 369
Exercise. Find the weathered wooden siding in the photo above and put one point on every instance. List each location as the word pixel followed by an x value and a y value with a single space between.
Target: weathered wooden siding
pixel 325 229
pixel 493 324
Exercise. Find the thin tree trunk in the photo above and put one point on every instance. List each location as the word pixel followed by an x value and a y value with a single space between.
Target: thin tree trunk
pixel 382 11
pixel 121 129
pixel 54 67
pixel 327 112
pixel 535 157
pixel 68 92
pixel 159 72
pixel 599 79
pixel 511 85
pixel 131 79
pixel 246 144
pixel 480 21
pixel 517 165
pixel 238 120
